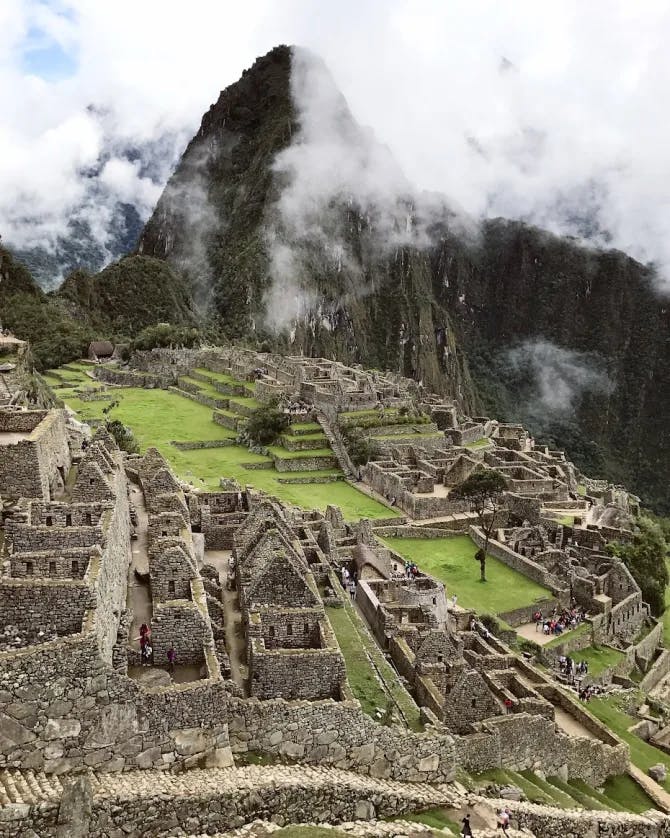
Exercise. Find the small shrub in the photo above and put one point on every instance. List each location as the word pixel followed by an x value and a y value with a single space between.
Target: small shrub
pixel 123 436
pixel 266 424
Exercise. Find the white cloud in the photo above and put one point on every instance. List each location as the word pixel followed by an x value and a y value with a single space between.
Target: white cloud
pixel 579 111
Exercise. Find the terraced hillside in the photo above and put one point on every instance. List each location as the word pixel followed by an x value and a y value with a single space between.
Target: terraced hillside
pixel 195 426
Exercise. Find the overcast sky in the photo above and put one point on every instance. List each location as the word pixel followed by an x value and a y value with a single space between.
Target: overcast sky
pixel 546 111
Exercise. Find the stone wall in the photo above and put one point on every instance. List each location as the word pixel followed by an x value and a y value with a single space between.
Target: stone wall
pixel 181 625
pixel 520 563
pixel 341 735
pixel 31 605
pixel 34 467
pixel 520 742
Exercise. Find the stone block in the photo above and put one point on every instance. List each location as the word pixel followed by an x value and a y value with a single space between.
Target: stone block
pixel 658 772
pixel 192 741
pixel 364 810
pixel 292 750
pixel 62 728
pixel 429 763
pixel 219 758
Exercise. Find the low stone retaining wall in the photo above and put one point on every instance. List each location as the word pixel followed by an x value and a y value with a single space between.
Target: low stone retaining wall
pixel 128 378
pixel 658 671
pixel 227 420
pixel 334 478
pixel 304 463
pixel 210 443
pixel 201 398
pixel 559 823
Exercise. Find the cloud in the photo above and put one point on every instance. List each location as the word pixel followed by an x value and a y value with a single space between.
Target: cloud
pixel 542 111
pixel 558 377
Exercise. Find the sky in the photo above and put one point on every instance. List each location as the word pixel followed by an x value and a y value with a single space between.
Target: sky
pixel 551 112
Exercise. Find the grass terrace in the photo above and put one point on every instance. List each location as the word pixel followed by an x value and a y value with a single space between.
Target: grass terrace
pixel 452 561
pixel 159 417
pixel 364 661
pixel 484 442
pixel 642 754
pixel 599 658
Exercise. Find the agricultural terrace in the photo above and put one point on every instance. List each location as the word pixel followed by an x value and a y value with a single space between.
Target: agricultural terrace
pixel 161 417
pixel 452 561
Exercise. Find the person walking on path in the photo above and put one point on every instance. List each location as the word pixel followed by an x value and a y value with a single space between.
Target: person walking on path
pixel 352 589
pixel 171 656
pixel 503 820
pixel 466 829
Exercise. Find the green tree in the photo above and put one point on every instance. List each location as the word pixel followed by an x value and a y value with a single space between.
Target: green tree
pixel 645 557
pixel 360 448
pixel 266 424
pixel 484 490
pixel 166 334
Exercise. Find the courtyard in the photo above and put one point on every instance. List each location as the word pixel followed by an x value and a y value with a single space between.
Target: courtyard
pixel 452 561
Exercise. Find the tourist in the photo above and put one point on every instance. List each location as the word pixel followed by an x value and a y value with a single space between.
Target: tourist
pixel 539 620
pixel 171 656
pixel 505 819
pixel 147 652
pixel 454 600
pixel 352 589
pixel 508 705
pixel 345 576
pixel 145 631
pixel 466 829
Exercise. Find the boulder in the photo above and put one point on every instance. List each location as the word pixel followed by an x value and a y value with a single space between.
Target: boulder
pixel 658 772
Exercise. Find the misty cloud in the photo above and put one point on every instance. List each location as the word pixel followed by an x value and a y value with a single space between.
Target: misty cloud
pixel 517 109
pixel 558 377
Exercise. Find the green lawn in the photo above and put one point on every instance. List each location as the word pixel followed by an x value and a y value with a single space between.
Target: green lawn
pixel 358 648
pixel 159 417
pixel 599 658
pixel 642 754
pixel 484 442
pixel 451 560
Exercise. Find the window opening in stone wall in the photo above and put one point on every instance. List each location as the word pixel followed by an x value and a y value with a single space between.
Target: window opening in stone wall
pixel 170 587
pixel 306 629
pixel 75 567
pixel 271 631
pixel 289 629
pixel 68 520
pixel 91 481
pixel 50 521
pixel 164 533
pixel 52 568
pixel 88 519
pixel 29 568
pixel 474 702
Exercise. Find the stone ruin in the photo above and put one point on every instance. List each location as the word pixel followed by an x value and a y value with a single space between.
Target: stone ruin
pixel 240 587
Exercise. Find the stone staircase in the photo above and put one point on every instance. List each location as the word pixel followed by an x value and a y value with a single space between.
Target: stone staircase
pixel 28 787
pixel 337 445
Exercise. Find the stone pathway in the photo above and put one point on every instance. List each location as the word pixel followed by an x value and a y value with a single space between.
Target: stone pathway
pixel 139 595
pixel 235 644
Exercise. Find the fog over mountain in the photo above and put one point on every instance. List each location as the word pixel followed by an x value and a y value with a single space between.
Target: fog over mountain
pixel 545 112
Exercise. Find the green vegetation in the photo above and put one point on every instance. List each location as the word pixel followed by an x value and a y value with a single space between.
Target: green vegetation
pixel 159 417
pixel 266 424
pixel 451 560
pixel 627 793
pixel 484 489
pixel 642 754
pixel 599 658
pixel 484 442
pixel 165 334
pixel 435 818
pixel 645 557
pixel 582 628
pixel 364 663
pixel 359 447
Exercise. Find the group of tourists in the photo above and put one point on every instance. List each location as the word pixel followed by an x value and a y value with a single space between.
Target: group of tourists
pixel 504 816
pixel 147 650
pixel 571 669
pixel 297 408
pixel 558 621
pixel 348 581
pixel 587 693
pixel 411 570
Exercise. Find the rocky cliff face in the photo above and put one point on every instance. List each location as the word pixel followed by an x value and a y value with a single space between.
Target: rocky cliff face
pixel 525 325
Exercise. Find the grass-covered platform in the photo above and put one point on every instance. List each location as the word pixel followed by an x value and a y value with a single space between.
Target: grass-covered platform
pixel 161 417
pixel 452 561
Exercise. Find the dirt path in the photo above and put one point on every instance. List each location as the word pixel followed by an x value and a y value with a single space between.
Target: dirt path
pixel 570 725
pixel 235 644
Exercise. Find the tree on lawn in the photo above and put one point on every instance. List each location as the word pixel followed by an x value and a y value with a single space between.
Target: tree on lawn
pixel 484 489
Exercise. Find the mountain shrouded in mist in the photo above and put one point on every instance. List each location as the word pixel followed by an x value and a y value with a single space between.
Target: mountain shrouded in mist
pixel 294 225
